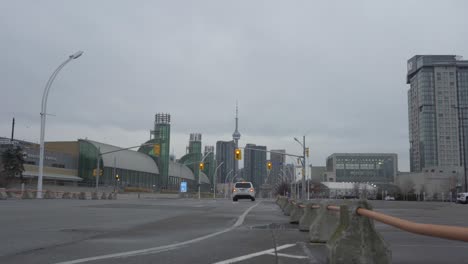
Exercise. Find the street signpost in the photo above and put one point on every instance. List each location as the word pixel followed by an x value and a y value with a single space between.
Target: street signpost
pixel 183 187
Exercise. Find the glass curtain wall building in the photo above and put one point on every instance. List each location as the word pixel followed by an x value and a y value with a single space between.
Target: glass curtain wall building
pixel 437 108
pixel 363 167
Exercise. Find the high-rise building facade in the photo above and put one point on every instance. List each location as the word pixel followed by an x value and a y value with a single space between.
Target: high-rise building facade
pixel 210 162
pixel 278 160
pixel 362 167
pixel 225 155
pixel 255 169
pixel 161 138
pixel 437 106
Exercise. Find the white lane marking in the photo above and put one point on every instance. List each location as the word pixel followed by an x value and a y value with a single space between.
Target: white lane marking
pixel 309 254
pixel 256 254
pixel 239 222
pixel 288 255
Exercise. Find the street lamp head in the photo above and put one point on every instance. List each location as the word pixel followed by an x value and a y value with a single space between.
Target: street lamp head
pixel 76 55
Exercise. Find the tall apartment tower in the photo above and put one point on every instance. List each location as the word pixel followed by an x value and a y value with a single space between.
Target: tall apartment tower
pixel 225 155
pixel 255 164
pixel 278 160
pixel 437 107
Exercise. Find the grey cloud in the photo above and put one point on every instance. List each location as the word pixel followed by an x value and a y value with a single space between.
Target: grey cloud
pixel 334 69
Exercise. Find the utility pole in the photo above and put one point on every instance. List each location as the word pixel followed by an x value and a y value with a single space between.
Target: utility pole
pixel 98 169
pixel 303 168
pixel 12 130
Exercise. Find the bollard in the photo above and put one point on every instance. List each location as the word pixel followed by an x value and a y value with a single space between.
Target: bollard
pixel 66 195
pixel 310 213
pixel 82 196
pixel 103 196
pixel 94 196
pixel 324 225
pixel 356 240
pixel 288 208
pixel 109 197
pixel 26 195
pixel 296 213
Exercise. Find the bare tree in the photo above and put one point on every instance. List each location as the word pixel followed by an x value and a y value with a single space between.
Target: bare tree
pixel 407 187
pixel 356 190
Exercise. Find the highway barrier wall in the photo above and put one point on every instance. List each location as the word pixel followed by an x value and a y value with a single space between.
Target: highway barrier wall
pixel 349 233
pixel 15 194
pixel 296 212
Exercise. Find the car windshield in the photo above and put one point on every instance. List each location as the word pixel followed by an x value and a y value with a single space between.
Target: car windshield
pixel 242 185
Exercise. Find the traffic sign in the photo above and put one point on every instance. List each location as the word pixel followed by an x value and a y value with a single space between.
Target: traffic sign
pixel 183 187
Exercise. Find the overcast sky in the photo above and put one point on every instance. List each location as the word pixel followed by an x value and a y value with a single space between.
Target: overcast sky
pixel 332 70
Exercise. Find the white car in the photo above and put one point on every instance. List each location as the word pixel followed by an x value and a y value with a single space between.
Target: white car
pixel 462 198
pixel 243 190
pixel 389 198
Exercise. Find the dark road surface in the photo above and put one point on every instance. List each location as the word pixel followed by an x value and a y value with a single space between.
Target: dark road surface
pixel 192 231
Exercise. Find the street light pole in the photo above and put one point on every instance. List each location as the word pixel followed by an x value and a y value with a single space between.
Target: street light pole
pixel 199 172
pixel 225 182
pixel 303 191
pixel 214 180
pixel 45 95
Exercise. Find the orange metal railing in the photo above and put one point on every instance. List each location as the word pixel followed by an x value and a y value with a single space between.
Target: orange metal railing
pixel 442 231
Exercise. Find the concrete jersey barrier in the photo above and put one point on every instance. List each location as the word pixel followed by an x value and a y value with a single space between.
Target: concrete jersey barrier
pixel 355 240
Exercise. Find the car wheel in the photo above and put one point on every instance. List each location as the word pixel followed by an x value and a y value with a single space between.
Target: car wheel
pixel 234 199
pixel 253 199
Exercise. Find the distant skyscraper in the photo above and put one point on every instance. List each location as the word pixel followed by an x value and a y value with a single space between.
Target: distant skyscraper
pixel 225 154
pixel 437 102
pixel 278 160
pixel 235 137
pixel 255 164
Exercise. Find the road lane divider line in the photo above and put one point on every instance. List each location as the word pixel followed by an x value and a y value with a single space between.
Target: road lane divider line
pixel 288 255
pixel 153 250
pixel 253 255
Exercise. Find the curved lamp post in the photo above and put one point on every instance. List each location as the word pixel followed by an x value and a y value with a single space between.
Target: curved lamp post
pixel 43 119
pixel 214 179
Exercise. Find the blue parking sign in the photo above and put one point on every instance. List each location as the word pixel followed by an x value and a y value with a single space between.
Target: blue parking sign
pixel 183 187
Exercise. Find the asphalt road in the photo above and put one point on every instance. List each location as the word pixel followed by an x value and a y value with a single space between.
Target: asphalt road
pixel 192 231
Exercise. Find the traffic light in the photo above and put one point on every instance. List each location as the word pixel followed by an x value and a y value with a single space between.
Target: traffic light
pixel 202 165
pixel 307 152
pixel 238 154
pixel 94 172
pixel 156 150
pixel 269 165
pixel 100 172
pixel 117 177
